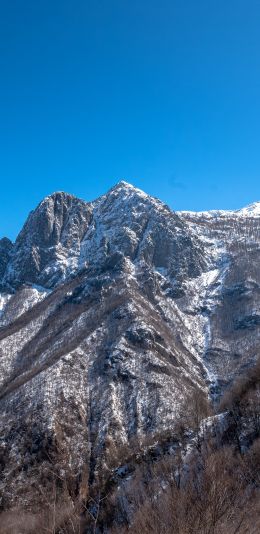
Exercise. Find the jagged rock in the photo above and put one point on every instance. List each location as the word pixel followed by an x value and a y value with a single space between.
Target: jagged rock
pixel 250 321
pixel 5 251
pixel 47 249
pixel 116 310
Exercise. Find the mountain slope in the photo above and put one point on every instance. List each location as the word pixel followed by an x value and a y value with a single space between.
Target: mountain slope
pixel 233 337
pixel 113 312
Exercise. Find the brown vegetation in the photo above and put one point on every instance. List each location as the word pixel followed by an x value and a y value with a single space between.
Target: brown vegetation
pixel 199 479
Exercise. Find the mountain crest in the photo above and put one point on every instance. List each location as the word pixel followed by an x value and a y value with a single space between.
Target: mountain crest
pixel 126 190
pixel 144 309
pixel 252 210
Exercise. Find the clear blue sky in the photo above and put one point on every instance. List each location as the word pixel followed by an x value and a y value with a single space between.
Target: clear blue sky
pixel 162 93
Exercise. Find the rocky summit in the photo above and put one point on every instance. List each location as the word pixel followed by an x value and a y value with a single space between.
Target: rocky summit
pixel 112 313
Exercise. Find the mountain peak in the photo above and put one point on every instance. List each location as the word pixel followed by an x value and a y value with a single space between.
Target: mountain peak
pixel 47 248
pixel 127 189
pixel 59 197
pixel 123 183
pixel 252 210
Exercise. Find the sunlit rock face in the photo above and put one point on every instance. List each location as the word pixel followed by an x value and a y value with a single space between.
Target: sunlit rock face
pixel 111 312
pixel 233 337
pixel 47 249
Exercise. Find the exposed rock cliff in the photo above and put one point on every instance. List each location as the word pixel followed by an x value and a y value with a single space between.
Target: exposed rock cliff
pixel 116 310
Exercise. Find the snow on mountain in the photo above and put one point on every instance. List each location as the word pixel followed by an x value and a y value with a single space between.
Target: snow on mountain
pixel 16 304
pixel 3 302
pixel 233 241
pixel 142 228
pixel 112 312
pixel 47 249
pixel 252 210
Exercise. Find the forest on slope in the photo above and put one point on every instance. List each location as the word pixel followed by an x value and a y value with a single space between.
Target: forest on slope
pixel 203 479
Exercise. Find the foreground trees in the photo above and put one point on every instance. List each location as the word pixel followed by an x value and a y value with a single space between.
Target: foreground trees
pixel 203 478
pixel 216 496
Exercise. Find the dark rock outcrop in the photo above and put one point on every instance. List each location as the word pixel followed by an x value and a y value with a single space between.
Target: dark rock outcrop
pixel 6 247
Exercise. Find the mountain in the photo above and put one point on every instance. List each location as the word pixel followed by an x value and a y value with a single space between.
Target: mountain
pixel 48 246
pixel 112 314
pixel 233 333
pixel 5 252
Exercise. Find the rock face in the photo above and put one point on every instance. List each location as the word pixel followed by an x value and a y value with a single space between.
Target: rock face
pixel 112 312
pixel 233 331
pixel 47 249
pixel 5 252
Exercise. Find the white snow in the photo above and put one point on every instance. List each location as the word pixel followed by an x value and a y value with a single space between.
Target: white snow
pixel 252 210
pixel 4 297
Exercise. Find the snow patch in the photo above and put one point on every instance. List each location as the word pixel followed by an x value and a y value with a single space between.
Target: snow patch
pixel 4 298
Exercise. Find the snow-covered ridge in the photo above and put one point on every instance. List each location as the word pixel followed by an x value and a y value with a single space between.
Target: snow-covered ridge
pixel 123 192
pixel 64 234
pixel 127 189
pixel 252 210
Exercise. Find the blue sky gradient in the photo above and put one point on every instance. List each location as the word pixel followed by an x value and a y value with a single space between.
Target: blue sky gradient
pixel 163 94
